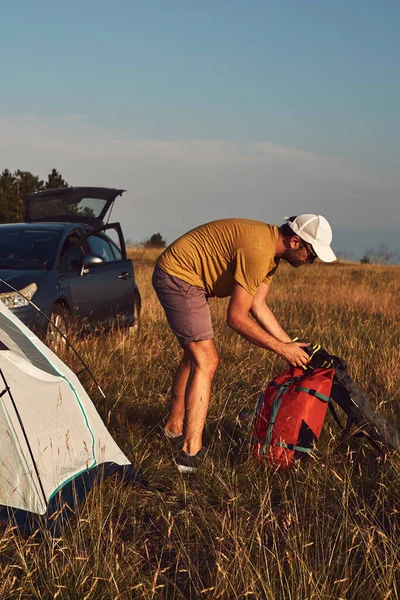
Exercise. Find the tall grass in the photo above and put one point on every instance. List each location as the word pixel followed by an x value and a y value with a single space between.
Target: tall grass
pixel 329 529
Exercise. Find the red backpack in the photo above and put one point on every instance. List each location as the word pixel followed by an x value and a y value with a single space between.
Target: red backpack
pixel 290 414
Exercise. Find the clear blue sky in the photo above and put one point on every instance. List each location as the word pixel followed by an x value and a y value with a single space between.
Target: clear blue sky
pixel 317 76
pixel 323 75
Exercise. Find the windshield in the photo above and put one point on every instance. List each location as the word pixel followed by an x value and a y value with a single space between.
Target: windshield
pixel 27 248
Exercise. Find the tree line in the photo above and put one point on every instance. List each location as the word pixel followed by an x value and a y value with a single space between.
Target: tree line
pixel 16 186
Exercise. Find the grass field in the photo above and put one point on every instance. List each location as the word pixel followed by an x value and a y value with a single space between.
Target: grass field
pixel 327 530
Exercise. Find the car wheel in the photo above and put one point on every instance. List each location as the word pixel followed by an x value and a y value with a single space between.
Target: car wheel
pixel 137 306
pixel 60 322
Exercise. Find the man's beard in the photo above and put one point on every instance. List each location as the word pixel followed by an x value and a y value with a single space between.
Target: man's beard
pixel 293 258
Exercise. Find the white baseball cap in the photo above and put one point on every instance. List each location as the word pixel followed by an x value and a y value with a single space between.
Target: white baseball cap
pixel 315 230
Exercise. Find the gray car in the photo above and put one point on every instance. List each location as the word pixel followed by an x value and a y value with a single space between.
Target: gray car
pixel 68 262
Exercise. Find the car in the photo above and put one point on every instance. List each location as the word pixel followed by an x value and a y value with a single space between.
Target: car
pixel 68 263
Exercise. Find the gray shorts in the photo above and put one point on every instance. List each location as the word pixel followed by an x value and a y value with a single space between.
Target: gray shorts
pixel 186 307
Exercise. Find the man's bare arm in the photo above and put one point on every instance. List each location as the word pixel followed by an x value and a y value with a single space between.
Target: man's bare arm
pixel 264 315
pixel 238 318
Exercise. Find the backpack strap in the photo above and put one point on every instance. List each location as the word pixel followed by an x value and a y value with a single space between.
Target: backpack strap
pixel 276 404
pixel 294 447
pixel 350 421
pixel 346 431
pixel 322 397
pixel 335 416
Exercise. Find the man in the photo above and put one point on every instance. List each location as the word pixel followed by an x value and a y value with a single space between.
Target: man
pixel 237 258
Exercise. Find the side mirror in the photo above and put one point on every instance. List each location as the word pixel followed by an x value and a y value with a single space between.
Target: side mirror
pixel 88 261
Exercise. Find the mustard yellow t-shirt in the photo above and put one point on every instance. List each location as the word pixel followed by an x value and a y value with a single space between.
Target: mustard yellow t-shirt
pixel 216 255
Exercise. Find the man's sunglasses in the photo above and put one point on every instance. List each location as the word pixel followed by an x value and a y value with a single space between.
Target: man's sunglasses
pixel 310 250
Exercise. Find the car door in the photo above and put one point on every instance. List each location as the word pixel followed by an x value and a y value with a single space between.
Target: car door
pixel 76 289
pixel 112 281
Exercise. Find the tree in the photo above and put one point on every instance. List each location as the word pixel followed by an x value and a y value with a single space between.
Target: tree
pixel 9 209
pixel 26 184
pixel 16 187
pixel 380 256
pixel 155 241
pixel 365 260
pixel 55 180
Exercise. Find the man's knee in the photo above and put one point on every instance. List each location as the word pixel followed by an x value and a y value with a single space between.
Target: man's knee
pixel 211 364
pixel 208 365
pixel 203 356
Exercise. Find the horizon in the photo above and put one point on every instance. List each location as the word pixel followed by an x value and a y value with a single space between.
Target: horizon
pixel 349 245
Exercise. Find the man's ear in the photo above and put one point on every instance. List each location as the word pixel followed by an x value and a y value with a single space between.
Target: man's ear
pixel 295 242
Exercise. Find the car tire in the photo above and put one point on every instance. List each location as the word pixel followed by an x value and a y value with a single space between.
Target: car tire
pixel 61 318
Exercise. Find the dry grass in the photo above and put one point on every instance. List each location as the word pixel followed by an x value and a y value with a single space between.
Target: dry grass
pixel 329 529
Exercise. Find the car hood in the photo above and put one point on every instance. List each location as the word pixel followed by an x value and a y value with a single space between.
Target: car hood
pixel 18 279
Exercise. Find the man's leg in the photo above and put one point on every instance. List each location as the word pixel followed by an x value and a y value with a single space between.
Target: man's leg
pixel 203 364
pixel 174 424
pixel 188 315
pixel 190 393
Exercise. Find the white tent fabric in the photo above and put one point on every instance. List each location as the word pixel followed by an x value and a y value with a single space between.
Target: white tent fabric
pixel 50 431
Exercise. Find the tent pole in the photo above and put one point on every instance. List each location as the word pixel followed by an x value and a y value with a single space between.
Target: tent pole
pixel 62 335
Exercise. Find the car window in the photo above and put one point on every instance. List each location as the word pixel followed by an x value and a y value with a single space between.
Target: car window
pixel 101 247
pixel 71 253
pixel 65 204
pixel 113 237
pixel 27 248
pixel 116 251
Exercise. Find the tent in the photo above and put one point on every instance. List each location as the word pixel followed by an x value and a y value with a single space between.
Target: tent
pixel 53 444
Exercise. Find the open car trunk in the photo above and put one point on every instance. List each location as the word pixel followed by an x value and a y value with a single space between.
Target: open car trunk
pixel 71 204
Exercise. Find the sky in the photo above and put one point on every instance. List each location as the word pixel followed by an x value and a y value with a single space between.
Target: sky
pixel 212 109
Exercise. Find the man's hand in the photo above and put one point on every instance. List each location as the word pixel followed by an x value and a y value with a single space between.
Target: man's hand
pixel 295 355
